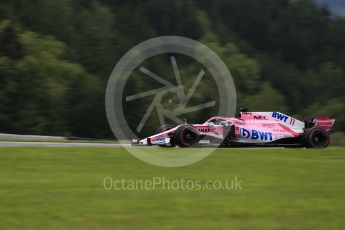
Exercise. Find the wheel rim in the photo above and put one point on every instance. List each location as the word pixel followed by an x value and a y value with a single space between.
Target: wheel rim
pixel 318 139
pixel 189 137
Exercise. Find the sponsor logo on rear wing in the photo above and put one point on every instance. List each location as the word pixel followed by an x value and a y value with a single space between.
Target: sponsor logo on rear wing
pixel 324 122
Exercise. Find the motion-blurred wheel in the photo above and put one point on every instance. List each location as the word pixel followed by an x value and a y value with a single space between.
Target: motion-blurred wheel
pixel 316 138
pixel 186 136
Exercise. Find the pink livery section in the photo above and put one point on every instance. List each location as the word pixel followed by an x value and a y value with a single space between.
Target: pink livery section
pixel 273 116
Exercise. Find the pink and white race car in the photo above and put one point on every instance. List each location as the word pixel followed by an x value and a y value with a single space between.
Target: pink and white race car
pixel 250 129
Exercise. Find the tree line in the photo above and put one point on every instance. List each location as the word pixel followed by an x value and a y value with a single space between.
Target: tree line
pixel 56 57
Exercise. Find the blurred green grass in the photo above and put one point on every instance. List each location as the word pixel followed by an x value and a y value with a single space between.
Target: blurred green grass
pixel 62 188
pixel 59 140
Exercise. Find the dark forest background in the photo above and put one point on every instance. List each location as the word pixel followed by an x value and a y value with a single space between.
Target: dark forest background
pixel 56 56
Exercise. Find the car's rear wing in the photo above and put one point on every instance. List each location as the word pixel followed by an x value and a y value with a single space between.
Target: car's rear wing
pixel 324 122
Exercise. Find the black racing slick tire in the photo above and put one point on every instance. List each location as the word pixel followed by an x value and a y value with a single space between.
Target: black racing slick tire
pixel 316 137
pixel 186 136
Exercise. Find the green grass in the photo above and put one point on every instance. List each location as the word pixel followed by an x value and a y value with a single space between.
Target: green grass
pixel 11 139
pixel 62 188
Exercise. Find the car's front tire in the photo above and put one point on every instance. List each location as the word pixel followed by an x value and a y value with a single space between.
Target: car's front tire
pixel 316 137
pixel 186 136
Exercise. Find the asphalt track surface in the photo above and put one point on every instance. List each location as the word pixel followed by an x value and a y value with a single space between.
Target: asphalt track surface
pixel 57 144
pixel 65 144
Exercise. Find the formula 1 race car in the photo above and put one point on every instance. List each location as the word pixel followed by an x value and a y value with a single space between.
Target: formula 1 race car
pixel 249 129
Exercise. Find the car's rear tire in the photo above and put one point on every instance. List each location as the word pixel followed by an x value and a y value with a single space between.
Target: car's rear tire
pixel 165 128
pixel 186 136
pixel 316 138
